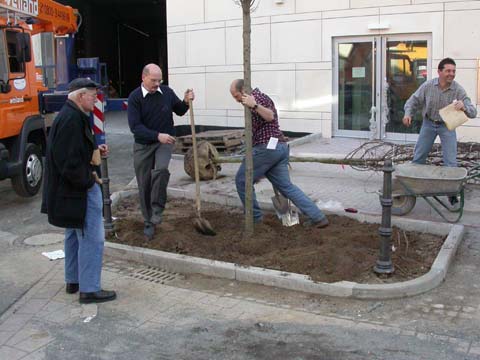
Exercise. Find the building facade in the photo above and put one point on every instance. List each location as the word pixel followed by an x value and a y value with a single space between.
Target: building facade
pixel 339 68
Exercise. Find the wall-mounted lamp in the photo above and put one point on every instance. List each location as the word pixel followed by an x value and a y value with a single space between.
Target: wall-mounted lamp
pixel 378 26
pixel 279 2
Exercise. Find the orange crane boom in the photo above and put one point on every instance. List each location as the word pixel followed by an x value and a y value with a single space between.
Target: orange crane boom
pixel 44 15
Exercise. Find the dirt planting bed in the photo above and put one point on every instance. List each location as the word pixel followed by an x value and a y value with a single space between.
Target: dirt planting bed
pixel 345 250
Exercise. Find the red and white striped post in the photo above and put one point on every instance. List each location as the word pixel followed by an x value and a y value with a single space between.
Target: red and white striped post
pixel 99 131
pixel 99 118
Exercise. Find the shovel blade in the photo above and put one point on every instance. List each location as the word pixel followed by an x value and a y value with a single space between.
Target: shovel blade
pixel 203 227
pixel 291 218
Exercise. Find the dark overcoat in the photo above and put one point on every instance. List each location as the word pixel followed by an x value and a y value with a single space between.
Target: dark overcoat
pixel 68 172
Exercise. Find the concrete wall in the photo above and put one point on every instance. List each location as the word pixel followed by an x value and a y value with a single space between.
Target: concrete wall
pixel 292 51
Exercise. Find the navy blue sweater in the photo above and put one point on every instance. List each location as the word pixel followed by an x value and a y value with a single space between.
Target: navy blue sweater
pixel 152 114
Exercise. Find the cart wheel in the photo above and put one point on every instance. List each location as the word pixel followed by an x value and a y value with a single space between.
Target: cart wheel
pixel 402 205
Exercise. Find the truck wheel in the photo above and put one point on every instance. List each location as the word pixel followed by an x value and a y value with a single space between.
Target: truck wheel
pixel 29 181
pixel 402 205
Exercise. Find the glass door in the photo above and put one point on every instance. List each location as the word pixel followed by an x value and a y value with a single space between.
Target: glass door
pixel 355 91
pixel 373 78
pixel 406 66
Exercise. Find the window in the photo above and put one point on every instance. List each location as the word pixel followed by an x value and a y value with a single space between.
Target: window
pixel 3 59
pixel 14 48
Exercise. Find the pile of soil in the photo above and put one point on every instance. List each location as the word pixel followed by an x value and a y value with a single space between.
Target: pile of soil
pixel 345 250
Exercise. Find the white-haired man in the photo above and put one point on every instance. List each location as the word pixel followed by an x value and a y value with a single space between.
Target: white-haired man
pixel 72 196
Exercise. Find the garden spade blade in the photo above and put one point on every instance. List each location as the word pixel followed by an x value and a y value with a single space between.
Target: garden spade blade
pixel 284 210
pixel 203 226
pixel 291 217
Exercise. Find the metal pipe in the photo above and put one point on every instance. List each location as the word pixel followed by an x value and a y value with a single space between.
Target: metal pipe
pixel 301 158
pixel 384 262
pixel 107 203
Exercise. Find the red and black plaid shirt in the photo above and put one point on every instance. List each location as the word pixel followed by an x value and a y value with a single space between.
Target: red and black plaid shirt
pixel 263 130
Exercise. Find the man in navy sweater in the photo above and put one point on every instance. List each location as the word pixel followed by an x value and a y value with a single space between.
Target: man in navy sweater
pixel 150 118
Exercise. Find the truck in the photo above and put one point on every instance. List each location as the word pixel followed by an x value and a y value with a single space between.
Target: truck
pixel 23 124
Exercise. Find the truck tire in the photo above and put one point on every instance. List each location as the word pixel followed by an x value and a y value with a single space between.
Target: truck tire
pixel 29 181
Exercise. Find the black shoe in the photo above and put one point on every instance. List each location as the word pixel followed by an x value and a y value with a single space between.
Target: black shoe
pixel 320 224
pixel 149 230
pixel 71 288
pixel 453 200
pixel 97 297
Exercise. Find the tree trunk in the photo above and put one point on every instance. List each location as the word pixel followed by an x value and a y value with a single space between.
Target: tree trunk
pixel 248 121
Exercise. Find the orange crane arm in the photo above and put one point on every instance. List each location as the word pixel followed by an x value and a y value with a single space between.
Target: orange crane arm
pixel 47 15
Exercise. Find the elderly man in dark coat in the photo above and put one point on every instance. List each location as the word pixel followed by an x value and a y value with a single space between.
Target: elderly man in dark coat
pixel 72 196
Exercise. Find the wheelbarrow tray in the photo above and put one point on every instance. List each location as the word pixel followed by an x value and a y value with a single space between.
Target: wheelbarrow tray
pixel 427 180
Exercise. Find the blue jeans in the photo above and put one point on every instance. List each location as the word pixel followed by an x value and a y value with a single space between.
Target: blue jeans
pixel 273 164
pixel 428 133
pixel 84 247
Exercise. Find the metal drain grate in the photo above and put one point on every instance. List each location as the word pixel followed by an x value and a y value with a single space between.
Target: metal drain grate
pixel 155 275
pixel 142 272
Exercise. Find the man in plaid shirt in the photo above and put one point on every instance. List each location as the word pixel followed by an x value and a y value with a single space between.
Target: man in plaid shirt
pixel 430 97
pixel 270 156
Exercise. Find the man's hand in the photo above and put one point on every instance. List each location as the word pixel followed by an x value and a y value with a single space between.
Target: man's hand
pixel 407 121
pixel 97 179
pixel 166 139
pixel 103 149
pixel 189 96
pixel 248 100
pixel 459 105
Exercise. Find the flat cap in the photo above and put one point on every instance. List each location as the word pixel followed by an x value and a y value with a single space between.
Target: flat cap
pixel 82 83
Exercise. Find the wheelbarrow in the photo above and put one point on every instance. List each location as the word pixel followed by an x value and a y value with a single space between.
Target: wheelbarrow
pixel 430 182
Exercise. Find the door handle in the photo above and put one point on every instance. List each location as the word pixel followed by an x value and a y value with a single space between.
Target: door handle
pixel 373 122
pixel 385 108
pixel 27 98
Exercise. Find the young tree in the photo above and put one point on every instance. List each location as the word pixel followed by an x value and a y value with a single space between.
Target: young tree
pixel 247 7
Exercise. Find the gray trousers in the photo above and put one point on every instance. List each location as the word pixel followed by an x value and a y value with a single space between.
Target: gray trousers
pixel 151 169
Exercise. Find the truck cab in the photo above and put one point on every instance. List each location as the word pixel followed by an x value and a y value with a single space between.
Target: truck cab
pixel 23 129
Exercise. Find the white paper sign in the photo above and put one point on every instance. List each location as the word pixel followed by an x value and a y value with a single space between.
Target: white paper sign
pixel 358 72
pixel 272 143
pixel 54 255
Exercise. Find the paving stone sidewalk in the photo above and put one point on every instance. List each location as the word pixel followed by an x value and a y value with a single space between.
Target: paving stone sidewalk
pixel 202 318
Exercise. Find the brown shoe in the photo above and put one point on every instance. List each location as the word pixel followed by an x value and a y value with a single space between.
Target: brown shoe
pixel 320 224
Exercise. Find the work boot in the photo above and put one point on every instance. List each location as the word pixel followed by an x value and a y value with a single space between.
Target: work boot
pixel 149 230
pixel 319 224
pixel 97 297
pixel 453 200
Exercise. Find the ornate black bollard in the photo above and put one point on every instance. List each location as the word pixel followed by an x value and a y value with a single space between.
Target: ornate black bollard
pixel 384 263
pixel 107 203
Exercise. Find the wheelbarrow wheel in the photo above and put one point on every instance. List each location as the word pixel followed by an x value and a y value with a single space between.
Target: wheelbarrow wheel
pixel 402 205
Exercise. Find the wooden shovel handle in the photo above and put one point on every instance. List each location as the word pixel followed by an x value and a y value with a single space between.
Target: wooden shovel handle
pixel 195 158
